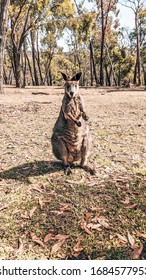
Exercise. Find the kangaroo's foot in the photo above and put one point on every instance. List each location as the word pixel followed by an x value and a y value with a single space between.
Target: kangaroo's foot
pixel 92 171
pixel 67 170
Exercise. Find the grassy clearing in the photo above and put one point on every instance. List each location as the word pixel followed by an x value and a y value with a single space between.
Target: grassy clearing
pixel 84 216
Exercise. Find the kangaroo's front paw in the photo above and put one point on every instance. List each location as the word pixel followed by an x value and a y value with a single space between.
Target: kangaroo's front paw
pixel 67 171
pixel 78 124
pixel 85 117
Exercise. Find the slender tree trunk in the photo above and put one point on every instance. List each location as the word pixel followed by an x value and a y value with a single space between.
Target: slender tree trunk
pixel 5 76
pixel 38 61
pixel 1 62
pixel 4 5
pixel 144 74
pixel 92 61
pixel 138 48
pixel 135 73
pixel 111 63
pixel 30 69
pixel 102 45
pixel 101 61
pixel 91 67
pixel 10 76
pixel 50 77
pixel 47 67
pixel 17 66
pixel 24 66
pixel 119 75
pixel 108 82
pixel 34 58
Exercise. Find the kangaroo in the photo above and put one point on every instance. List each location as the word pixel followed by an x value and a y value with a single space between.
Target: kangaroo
pixel 71 139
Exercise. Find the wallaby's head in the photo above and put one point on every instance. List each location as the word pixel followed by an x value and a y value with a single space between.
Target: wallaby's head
pixel 71 84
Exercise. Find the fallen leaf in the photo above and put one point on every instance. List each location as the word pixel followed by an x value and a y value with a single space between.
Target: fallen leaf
pixel 126 201
pixel 61 255
pixel 47 237
pixel 36 239
pixel 88 217
pixel 76 182
pixel 139 234
pixel 60 237
pixel 122 238
pixel 47 200
pixel 32 211
pixel 65 207
pixel 137 252
pixel 16 211
pixel 25 215
pixel 20 246
pixel 41 203
pixel 57 212
pixel 94 226
pixel 37 189
pixel 111 236
pixel 131 240
pixel 56 247
pixel 84 227
pixel 103 222
pixel 77 249
pixel 5 206
pixel 133 206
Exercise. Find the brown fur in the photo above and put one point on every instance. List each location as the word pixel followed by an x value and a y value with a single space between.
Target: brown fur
pixel 71 138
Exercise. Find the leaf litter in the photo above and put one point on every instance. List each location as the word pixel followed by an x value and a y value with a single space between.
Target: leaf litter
pixel 28 164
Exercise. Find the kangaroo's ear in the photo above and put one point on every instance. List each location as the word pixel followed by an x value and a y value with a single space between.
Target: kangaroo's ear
pixel 76 77
pixel 65 77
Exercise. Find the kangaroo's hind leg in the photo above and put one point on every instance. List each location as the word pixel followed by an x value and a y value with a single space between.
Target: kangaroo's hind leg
pixel 61 152
pixel 67 168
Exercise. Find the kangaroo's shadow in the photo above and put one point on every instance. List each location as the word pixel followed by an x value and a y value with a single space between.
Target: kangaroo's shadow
pixel 37 168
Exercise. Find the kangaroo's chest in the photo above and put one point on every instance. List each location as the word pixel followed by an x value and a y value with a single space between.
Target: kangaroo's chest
pixel 72 107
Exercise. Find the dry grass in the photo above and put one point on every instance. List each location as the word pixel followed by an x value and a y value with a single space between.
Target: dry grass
pixel 100 214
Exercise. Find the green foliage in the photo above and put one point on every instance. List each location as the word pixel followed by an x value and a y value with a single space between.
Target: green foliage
pixel 52 19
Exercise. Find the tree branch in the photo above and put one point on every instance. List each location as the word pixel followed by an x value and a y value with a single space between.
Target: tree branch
pixel 15 19
pixel 25 30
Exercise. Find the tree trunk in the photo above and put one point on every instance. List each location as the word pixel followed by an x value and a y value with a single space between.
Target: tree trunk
pixel 102 45
pixel 34 58
pixel 1 62
pixel 92 62
pixel 5 76
pixel 108 82
pixel 111 63
pixel 135 73
pixel 144 75
pixel 50 77
pixel 4 5
pixel 10 76
pixel 101 61
pixel 91 67
pixel 138 48
pixel 30 69
pixel 24 65
pixel 119 75
pixel 38 62
pixel 17 66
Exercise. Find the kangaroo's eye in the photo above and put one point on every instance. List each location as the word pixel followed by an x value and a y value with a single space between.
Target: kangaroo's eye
pixel 68 87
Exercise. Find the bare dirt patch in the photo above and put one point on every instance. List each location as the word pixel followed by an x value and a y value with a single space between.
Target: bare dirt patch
pixel 86 217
